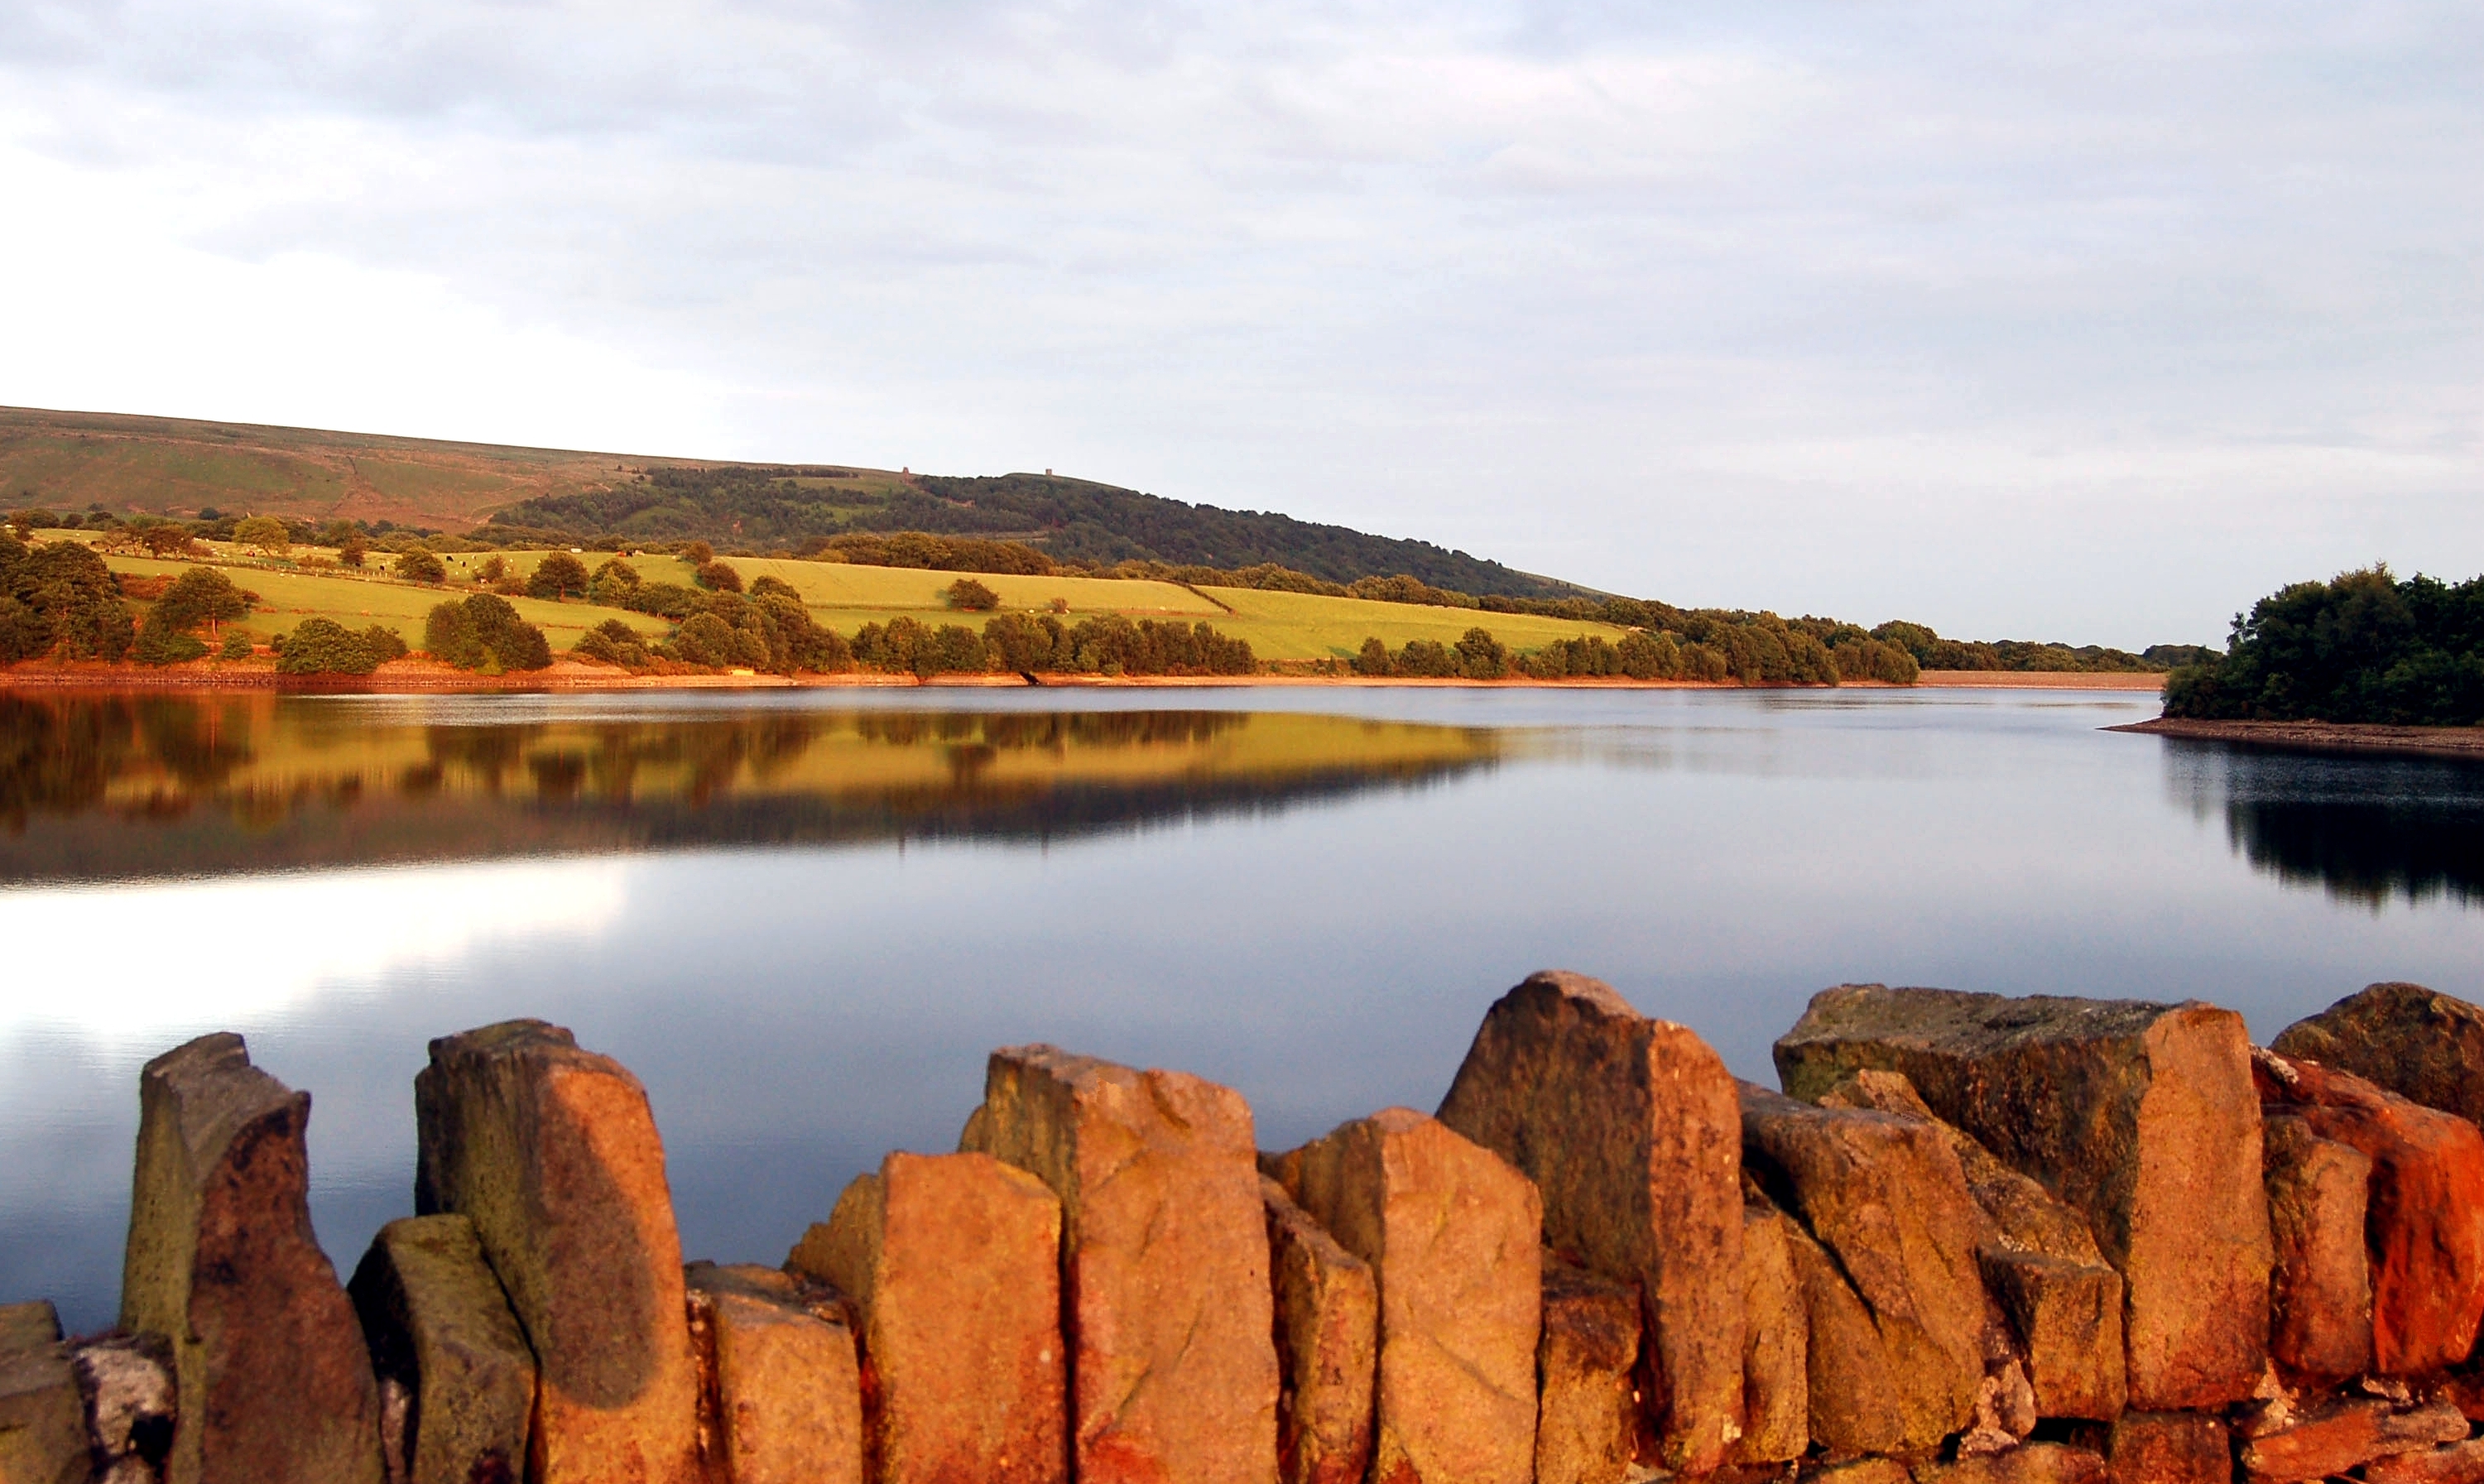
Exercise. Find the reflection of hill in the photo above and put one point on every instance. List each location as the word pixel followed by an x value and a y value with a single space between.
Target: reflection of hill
pixel 2366 829
pixel 114 788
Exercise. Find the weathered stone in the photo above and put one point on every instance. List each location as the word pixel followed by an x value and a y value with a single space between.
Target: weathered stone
pixel 1165 1262
pixel 2062 1302
pixel 43 1423
pixel 273 1381
pixel 1328 1347
pixel 781 1388
pixel 1884 1194
pixel 2142 1117
pixel 441 1331
pixel 2460 1463
pixel 1453 1236
pixel 1629 1128
pixel 2333 1439
pixel 2424 1226
pixel 1586 1428
pixel 954 1265
pixel 2464 1390
pixel 2413 1041
pixel 2170 1447
pixel 552 1152
pixel 2034 1463
pixel 1848 1378
pixel 1776 1343
pixel 126 1383
pixel 2320 1296
pixel 1859 1471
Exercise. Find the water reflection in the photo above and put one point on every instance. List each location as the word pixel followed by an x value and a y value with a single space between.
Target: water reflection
pixel 106 788
pixel 2364 829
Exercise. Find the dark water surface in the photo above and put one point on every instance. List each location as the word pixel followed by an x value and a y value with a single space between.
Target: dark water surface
pixel 803 918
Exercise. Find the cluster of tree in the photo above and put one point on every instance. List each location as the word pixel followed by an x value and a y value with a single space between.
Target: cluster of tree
pixel 323 646
pixel 1042 644
pixel 1932 652
pixel 200 597
pixel 617 584
pixel 2364 646
pixel 1476 655
pixel 58 600
pixel 1080 522
pixel 924 552
pixel 482 633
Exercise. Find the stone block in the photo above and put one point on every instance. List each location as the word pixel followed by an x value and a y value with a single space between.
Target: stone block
pixel 2320 1296
pixel 2413 1041
pixel 1848 1380
pixel 1169 1312
pixel 2170 1447
pixel 1454 1236
pixel 2424 1225
pixel 1884 1195
pixel 2460 1463
pixel 272 1379
pixel 1858 1470
pixel 2331 1439
pixel 552 1151
pixel 443 1336
pixel 2141 1116
pixel 780 1385
pixel 125 1382
pixel 1776 1343
pixel 954 1265
pixel 1586 1429
pixel 2061 1302
pixel 1629 1128
pixel 2032 1463
pixel 42 1421
pixel 1328 1347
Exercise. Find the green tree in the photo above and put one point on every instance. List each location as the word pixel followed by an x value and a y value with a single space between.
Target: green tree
pixel 354 553
pixel 237 645
pixel 267 533
pixel 717 577
pixel 323 646
pixel 419 565
pixel 202 597
pixel 484 633
pixel 560 575
pixel 970 595
pixel 1481 656
pixel 1373 659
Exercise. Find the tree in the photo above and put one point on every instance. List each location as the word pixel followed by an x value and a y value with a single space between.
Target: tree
pixel 237 645
pixel 492 570
pixel 971 596
pixel 323 646
pixel 614 582
pixel 353 553
pixel 163 538
pixel 267 533
pixel 201 596
pixel 1481 656
pixel 60 598
pixel 1373 659
pixel 718 577
pixel 698 554
pixel 420 566
pixel 557 576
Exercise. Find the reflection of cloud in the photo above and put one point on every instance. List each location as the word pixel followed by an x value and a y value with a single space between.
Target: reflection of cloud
pixel 150 963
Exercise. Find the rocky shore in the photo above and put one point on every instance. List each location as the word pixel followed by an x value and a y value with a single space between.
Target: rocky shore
pixel 1969 1240
pixel 2338 737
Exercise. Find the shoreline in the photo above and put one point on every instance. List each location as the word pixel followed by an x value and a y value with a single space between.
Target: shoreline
pixel 2322 737
pixel 424 677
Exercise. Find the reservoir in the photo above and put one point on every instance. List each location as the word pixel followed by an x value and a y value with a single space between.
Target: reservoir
pixel 803 917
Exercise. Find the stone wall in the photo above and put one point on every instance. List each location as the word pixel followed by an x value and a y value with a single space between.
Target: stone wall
pixel 1968 1240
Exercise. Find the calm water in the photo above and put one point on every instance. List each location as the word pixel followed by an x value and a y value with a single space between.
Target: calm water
pixel 802 919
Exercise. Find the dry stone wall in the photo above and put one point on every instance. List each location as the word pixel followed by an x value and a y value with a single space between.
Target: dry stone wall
pixel 1971 1240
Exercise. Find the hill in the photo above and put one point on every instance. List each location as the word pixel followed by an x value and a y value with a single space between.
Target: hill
pixel 177 467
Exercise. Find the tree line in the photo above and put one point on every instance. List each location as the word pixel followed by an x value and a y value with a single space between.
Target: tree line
pixel 2364 646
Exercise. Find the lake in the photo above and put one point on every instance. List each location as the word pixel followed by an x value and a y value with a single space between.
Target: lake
pixel 803 917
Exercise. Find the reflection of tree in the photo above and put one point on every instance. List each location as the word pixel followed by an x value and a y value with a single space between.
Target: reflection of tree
pixel 58 759
pixel 2366 829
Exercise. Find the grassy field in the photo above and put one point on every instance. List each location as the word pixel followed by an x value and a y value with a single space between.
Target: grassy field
pixel 1279 626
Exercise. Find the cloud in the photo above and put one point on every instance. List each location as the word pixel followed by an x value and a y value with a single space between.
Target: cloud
pixel 2094 322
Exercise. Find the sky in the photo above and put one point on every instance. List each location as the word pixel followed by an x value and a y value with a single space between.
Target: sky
pixel 2086 322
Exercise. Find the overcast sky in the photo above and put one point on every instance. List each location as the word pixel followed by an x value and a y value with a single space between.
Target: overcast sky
pixel 2087 321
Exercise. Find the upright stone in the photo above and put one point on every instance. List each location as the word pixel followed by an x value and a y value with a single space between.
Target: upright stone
pixel 1165 1262
pixel 1777 1342
pixel 1885 1196
pixel 1586 1429
pixel 553 1153
pixel 2320 1297
pixel 2140 1115
pixel 2062 1302
pixel 1328 1347
pixel 2425 1226
pixel 443 1336
pixel 1453 1235
pixel 779 1377
pixel 43 1423
pixel 2416 1043
pixel 273 1381
pixel 954 1265
pixel 1630 1130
